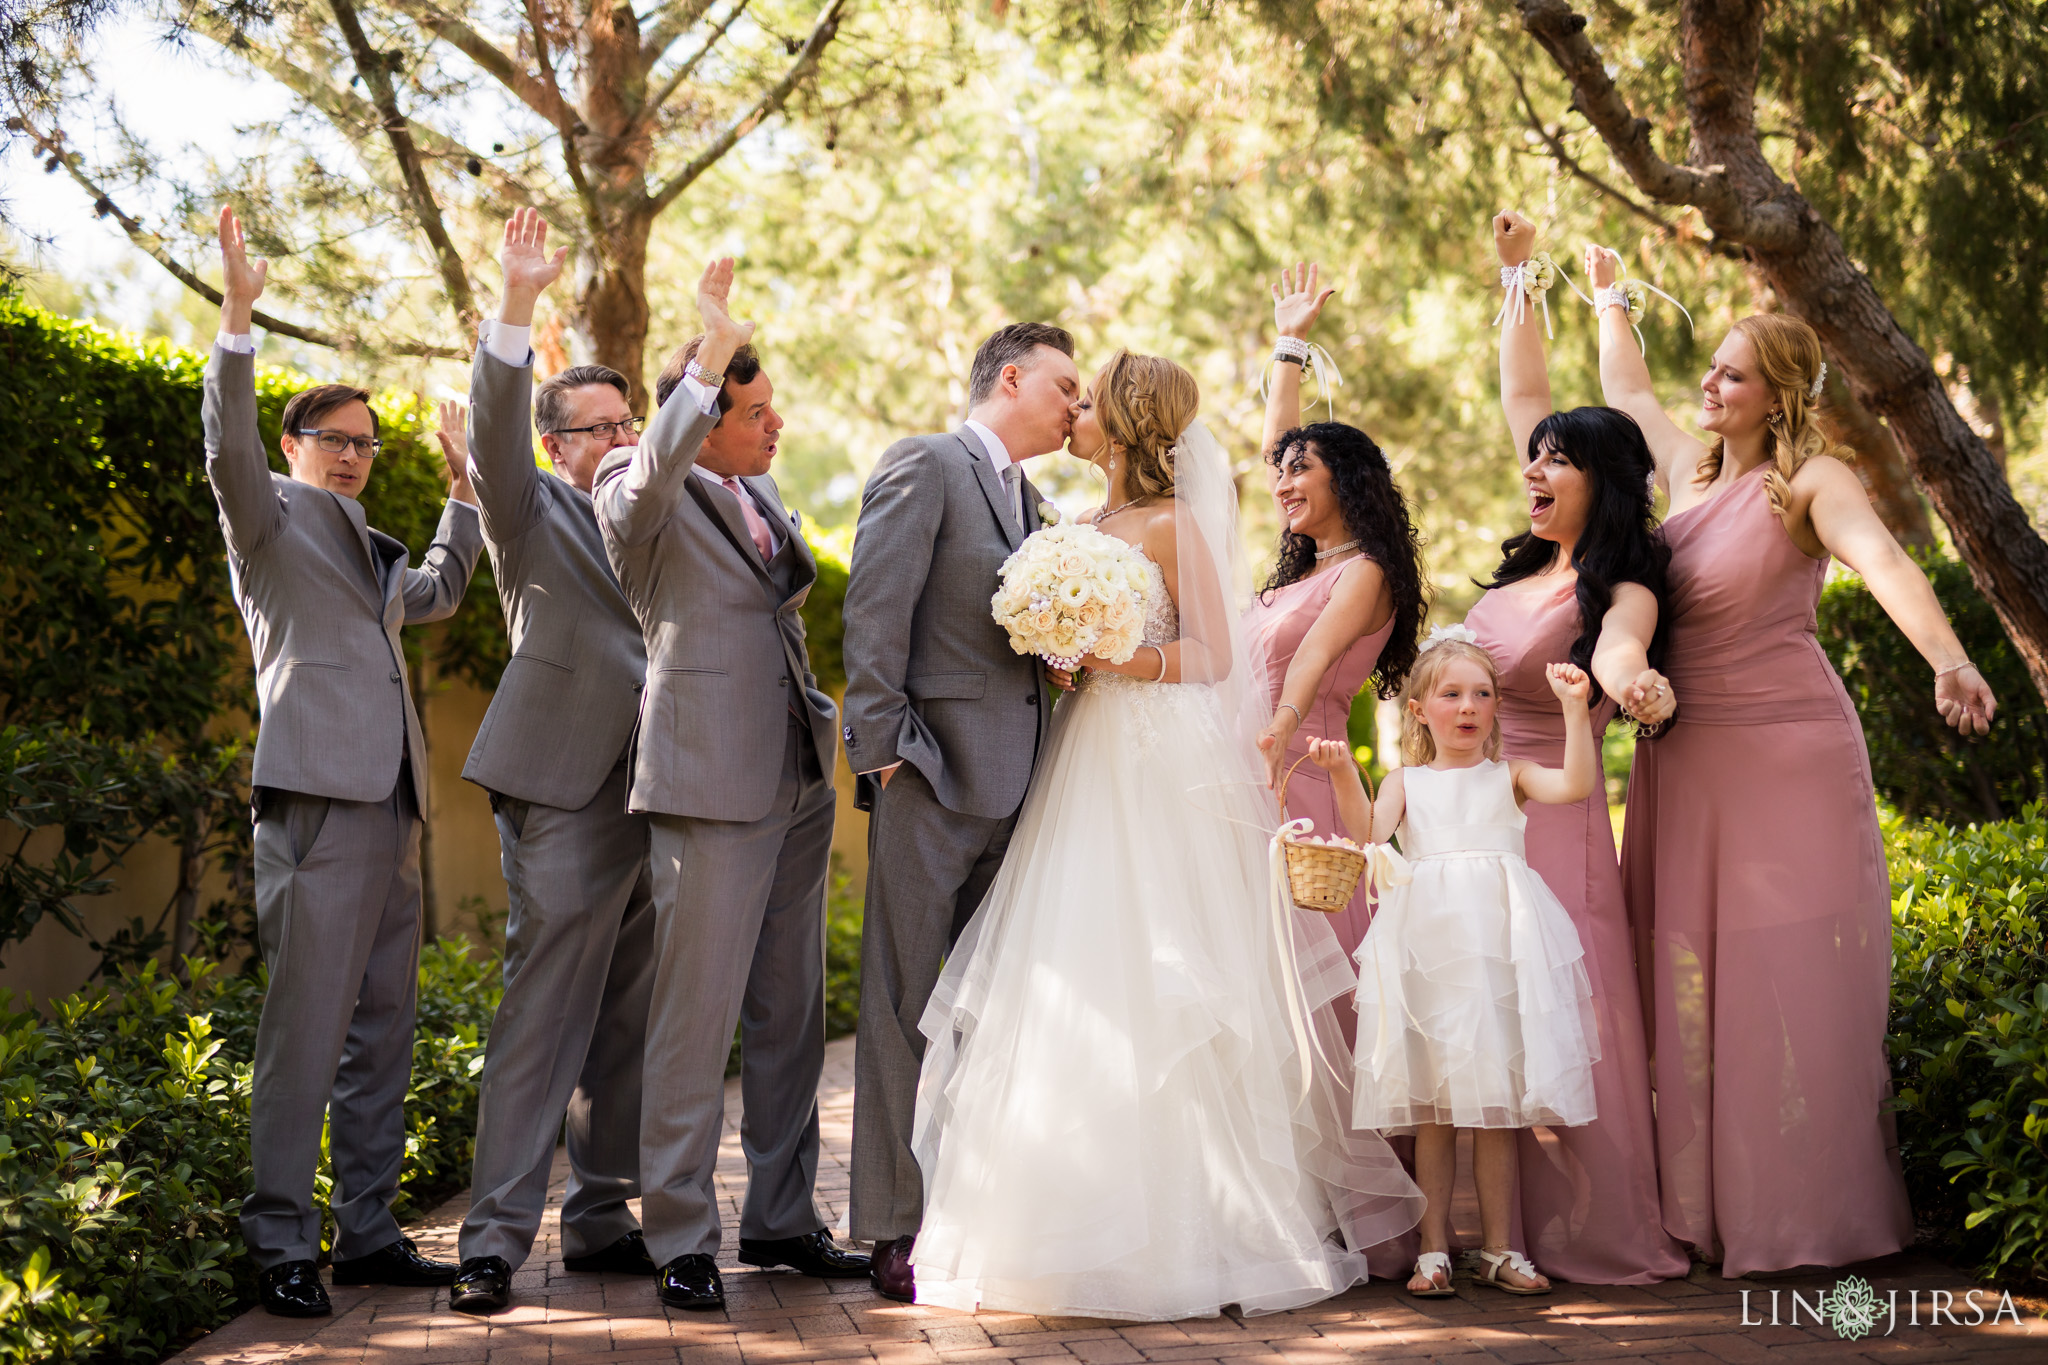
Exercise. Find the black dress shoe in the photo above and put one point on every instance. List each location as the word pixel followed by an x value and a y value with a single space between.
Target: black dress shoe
pixel 814 1253
pixel 398 1263
pixel 293 1290
pixel 627 1256
pixel 691 1282
pixel 892 1274
pixel 483 1285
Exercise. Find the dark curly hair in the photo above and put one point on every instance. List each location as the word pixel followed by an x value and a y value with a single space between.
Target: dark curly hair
pixel 1376 516
pixel 1622 542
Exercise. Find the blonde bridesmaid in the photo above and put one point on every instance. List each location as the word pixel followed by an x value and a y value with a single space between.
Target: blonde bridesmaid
pixel 1582 586
pixel 1752 861
pixel 1345 601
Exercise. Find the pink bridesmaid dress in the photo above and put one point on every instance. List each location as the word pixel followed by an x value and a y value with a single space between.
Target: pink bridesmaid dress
pixel 1757 890
pixel 1275 625
pixel 1589 1202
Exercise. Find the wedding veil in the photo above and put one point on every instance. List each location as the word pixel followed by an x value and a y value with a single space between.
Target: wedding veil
pixel 1213 590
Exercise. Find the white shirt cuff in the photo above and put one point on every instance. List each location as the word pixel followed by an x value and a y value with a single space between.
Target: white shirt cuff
pixel 707 398
pixel 242 343
pixel 509 344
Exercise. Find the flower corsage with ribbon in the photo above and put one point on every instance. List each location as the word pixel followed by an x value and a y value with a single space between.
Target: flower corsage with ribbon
pixel 1531 282
pixel 1632 297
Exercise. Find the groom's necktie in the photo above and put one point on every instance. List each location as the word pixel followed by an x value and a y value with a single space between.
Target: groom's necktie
pixel 1013 487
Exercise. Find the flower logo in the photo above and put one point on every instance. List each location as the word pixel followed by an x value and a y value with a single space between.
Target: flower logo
pixel 1853 1308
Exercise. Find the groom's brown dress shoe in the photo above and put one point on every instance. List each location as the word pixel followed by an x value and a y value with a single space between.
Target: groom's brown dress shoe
pixel 892 1275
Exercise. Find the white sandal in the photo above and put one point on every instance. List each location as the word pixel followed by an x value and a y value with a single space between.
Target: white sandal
pixel 1511 1260
pixel 1429 1265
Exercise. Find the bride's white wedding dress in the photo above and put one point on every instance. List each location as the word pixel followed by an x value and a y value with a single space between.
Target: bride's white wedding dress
pixel 1110 1117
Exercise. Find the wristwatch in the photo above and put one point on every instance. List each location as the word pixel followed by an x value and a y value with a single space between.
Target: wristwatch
pixel 703 376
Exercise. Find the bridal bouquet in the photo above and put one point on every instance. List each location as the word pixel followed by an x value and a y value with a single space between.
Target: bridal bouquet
pixel 1068 591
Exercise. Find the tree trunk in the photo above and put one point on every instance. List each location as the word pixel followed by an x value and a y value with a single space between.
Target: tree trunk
pixel 1880 464
pixel 185 901
pixel 611 319
pixel 1740 196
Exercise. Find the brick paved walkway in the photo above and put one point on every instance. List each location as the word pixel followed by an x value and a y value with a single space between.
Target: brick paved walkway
pixel 783 1318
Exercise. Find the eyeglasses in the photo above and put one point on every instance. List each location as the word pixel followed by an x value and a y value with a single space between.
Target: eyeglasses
pixel 334 442
pixel 604 431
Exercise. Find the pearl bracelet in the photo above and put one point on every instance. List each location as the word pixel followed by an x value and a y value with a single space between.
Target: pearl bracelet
pixel 1613 296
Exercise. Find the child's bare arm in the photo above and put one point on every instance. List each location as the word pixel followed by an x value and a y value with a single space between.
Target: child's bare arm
pixel 1389 808
pixel 1580 775
pixel 1333 756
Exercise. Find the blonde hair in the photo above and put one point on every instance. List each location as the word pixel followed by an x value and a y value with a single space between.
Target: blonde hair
pixel 1144 403
pixel 1418 746
pixel 1788 357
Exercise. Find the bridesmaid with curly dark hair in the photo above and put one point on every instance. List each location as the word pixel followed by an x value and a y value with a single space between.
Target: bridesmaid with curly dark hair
pixel 1346 599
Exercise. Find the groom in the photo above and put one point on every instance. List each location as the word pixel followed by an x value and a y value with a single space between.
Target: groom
pixel 943 724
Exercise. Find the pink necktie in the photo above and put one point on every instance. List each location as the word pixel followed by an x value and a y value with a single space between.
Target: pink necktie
pixel 756 526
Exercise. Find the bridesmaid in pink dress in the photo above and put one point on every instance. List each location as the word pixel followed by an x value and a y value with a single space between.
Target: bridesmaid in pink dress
pixel 1345 603
pixel 1583 587
pixel 1752 860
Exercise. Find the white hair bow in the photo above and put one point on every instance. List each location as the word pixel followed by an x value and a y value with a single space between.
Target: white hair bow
pixel 1462 634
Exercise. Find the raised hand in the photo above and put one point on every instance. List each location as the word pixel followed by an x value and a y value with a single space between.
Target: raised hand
pixel 1514 237
pixel 528 268
pixel 1569 683
pixel 453 433
pixel 714 299
pixel 1964 700
pixel 1299 298
pixel 241 279
pixel 1602 265
pixel 1649 699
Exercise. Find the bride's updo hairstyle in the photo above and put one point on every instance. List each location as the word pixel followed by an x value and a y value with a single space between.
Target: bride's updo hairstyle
pixel 1144 403
pixel 1418 746
pixel 1789 359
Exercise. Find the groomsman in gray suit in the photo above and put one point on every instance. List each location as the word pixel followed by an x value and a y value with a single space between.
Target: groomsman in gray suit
pixel 339 785
pixel 732 761
pixel 943 724
pixel 579 942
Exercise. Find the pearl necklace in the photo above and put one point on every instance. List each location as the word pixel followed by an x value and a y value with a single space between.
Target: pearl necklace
pixel 1336 549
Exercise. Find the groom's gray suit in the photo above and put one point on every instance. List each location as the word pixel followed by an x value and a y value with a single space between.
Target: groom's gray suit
pixel 339 783
pixel 933 683
pixel 733 761
pixel 579 943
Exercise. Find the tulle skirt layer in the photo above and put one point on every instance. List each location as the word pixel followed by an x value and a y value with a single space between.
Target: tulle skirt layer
pixel 1474 1007
pixel 1116 1117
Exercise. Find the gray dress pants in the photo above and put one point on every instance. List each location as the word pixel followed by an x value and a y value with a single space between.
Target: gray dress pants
pixel 338 920
pixel 570 1032
pixel 739 933
pixel 928 869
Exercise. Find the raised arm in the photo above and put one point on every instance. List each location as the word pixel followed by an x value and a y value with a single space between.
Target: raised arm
pixel 1843 522
pixel 1580 775
pixel 235 464
pixel 1625 380
pixel 900 512
pixel 434 590
pixel 638 487
pixel 508 482
pixel 1297 302
pixel 1621 656
pixel 1524 374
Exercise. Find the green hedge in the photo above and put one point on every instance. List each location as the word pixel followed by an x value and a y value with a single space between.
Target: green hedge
pixel 1921 765
pixel 1969 1035
pixel 126 1150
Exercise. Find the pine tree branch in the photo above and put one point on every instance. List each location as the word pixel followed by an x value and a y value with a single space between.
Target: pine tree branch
pixel 679 18
pixel 375 69
pixel 651 110
pixel 494 61
pixel 807 59
pixel 52 145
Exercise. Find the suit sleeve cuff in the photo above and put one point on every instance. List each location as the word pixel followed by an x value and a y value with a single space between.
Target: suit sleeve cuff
pixel 240 343
pixel 508 344
pixel 705 398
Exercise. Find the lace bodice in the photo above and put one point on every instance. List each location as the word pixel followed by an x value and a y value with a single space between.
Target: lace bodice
pixel 1150 703
pixel 1162 619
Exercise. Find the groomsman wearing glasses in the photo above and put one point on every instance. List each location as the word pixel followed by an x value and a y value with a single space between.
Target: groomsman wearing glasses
pixel 732 761
pixel 579 943
pixel 339 786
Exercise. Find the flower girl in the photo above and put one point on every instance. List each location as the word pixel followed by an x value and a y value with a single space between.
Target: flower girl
pixel 1474 1008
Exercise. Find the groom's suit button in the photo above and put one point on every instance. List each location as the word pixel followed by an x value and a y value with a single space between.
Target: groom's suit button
pixel 1033 699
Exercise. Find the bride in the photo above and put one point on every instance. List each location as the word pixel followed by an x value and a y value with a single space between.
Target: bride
pixel 1128 1107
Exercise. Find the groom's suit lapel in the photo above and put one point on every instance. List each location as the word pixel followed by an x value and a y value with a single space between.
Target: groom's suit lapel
pixel 991 486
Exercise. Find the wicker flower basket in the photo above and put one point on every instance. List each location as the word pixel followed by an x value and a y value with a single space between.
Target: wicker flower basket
pixel 1320 876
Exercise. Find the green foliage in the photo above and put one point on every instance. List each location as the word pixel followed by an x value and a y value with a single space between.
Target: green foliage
pixel 125 1155
pixel 105 797
pixel 1969 1034
pixel 1920 764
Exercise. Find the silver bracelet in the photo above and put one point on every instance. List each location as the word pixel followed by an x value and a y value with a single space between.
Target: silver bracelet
pixel 1292 707
pixel 1941 673
pixel 1162 663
